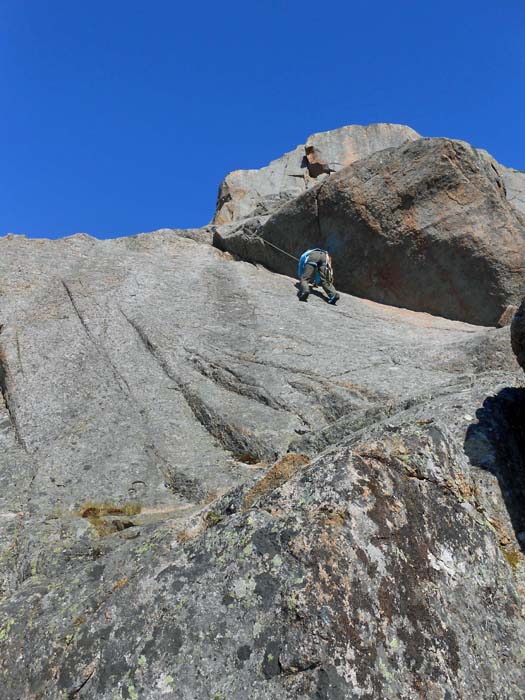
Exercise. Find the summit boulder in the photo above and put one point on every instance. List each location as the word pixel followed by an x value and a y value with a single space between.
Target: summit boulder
pixel 248 193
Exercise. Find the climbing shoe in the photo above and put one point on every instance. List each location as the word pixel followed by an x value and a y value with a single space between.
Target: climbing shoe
pixel 333 299
pixel 302 296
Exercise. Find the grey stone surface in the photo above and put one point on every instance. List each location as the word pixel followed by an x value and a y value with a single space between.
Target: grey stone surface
pixel 515 185
pixel 507 316
pixel 333 150
pixel 158 372
pixel 425 226
pixel 513 181
pixel 247 193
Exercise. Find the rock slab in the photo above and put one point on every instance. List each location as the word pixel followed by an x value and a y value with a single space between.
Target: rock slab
pixel 209 490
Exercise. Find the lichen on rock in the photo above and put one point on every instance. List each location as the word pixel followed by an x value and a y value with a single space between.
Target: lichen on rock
pixel 209 490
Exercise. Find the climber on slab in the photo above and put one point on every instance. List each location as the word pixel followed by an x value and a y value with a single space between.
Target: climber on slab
pixel 315 266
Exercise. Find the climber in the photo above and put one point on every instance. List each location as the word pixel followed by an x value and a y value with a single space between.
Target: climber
pixel 315 266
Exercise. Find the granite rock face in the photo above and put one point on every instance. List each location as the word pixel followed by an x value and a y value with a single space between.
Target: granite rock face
pixel 247 193
pixel 209 490
pixel 514 181
pixel 331 151
pixel 425 226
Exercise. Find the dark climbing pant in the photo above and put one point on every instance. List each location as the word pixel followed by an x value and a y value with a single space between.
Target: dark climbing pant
pixel 316 262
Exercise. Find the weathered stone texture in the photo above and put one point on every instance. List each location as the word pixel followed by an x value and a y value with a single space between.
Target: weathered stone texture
pixel 426 226
pixel 248 193
pixel 334 150
pixel 156 372
pixel 515 185
pixel 211 491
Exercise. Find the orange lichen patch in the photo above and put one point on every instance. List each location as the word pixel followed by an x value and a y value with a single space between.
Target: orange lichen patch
pixel 184 536
pixel 502 530
pixel 332 581
pixel 97 514
pixel 384 452
pixel 330 518
pixel 409 219
pixel 246 458
pixel 396 506
pixel 99 510
pixel 120 583
pixel 278 475
pixel 461 487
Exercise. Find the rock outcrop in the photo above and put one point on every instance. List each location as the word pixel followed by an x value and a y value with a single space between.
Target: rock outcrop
pixel 248 193
pixel 331 151
pixel 514 181
pixel 426 226
pixel 209 490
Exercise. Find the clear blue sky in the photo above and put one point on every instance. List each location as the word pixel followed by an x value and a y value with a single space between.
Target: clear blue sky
pixel 122 116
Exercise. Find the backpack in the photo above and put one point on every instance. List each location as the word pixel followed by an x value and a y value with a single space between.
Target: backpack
pixel 329 272
pixel 302 262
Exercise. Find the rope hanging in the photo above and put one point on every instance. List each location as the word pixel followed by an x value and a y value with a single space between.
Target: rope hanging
pixel 279 249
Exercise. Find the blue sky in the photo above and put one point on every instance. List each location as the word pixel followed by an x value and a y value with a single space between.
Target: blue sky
pixel 119 116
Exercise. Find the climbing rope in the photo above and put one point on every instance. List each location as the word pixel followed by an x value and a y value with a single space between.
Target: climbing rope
pixel 279 249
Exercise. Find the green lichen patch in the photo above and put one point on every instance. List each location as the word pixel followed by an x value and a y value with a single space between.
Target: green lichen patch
pixel 6 629
pixel 212 518
pixel 513 557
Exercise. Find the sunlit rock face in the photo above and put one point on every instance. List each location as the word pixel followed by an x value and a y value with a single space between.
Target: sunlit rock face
pixel 211 490
pixel 247 193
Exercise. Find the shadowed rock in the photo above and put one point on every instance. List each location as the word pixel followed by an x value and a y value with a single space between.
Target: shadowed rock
pixel 517 334
pixel 497 443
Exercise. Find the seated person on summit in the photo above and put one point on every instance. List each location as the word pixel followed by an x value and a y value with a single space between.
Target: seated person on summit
pixel 315 266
